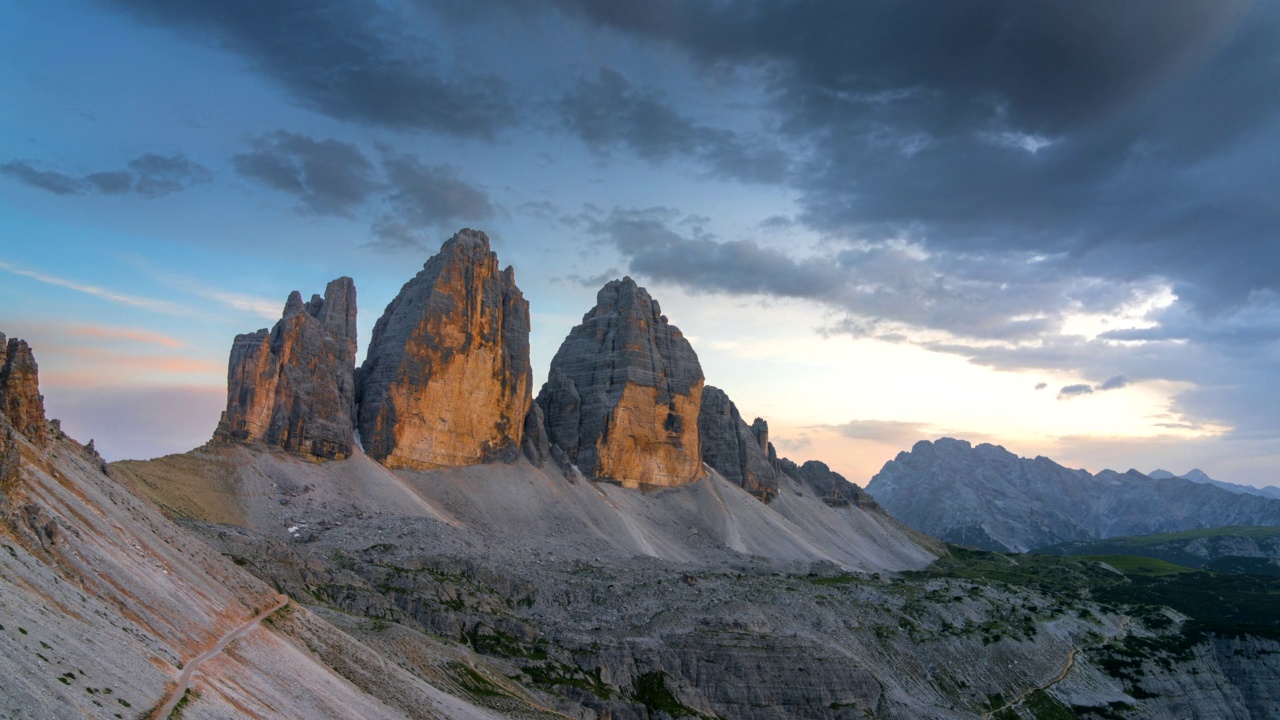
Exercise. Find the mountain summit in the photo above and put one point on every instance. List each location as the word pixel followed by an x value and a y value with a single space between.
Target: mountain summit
pixel 624 392
pixel 986 496
pixel 294 386
pixel 446 382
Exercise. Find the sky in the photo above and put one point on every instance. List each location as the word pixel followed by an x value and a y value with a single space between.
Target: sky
pixel 1052 225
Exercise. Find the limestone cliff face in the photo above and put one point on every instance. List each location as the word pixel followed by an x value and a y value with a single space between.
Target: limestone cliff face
pixel 447 379
pixel 734 449
pixel 20 399
pixel 624 392
pixel 294 387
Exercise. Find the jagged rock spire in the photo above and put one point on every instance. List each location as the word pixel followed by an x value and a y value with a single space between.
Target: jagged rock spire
pixel 737 451
pixel 447 380
pixel 20 398
pixel 294 387
pixel 624 391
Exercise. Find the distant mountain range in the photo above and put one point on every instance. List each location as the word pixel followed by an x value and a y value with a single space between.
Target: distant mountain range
pixel 1198 476
pixel 987 497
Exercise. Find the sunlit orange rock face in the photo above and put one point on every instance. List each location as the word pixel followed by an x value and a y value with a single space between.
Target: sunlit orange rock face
pixel 20 399
pixel 294 387
pixel 623 393
pixel 446 382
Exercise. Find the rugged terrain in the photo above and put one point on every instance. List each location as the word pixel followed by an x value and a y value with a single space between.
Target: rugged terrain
pixel 626 548
pixel 985 496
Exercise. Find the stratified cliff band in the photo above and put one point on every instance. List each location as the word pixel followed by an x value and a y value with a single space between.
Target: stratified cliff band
pixel 446 381
pixel 624 391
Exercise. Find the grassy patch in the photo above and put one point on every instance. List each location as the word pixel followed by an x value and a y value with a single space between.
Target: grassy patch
pixel 650 690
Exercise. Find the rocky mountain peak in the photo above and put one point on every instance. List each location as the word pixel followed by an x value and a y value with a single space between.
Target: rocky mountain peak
pixel 446 381
pixel 624 392
pixel 739 452
pixel 20 398
pixel 293 387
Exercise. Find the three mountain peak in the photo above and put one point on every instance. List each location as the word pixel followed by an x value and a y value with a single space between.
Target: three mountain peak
pixel 447 382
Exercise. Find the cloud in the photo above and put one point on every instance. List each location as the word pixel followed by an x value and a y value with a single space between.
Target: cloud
pixel 1071 391
pixel 154 305
pixel 328 177
pixel 347 59
pixel 594 281
pixel 1114 383
pixel 422 197
pixel 1041 385
pixel 609 112
pixel 890 432
pixel 879 287
pixel 149 175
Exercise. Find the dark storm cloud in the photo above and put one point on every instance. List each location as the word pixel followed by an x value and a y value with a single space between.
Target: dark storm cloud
pixel 1133 136
pixel 1071 391
pixel 344 58
pixel 329 177
pixel 148 175
pixel 608 111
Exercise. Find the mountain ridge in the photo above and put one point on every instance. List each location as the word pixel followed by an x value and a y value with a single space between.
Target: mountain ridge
pixel 987 497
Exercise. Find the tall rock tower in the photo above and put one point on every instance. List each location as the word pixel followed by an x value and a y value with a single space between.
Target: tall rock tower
pixel 294 387
pixel 623 393
pixel 447 378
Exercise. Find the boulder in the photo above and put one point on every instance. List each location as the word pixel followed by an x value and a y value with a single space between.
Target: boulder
pixel 623 393
pixel 293 387
pixel 447 380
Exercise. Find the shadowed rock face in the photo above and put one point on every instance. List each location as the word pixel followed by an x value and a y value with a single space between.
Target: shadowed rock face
pixel 737 451
pixel 624 391
pixel 447 379
pixel 294 387
pixel 20 399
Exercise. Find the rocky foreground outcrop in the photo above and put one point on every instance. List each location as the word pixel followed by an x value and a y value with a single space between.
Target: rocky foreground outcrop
pixel 293 387
pixel 624 392
pixel 20 399
pixel 739 452
pixel 446 382
pixel 987 497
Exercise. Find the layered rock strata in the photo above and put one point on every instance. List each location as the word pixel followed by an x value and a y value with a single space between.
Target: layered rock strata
pixel 737 451
pixel 624 391
pixel 20 398
pixel 446 382
pixel 293 387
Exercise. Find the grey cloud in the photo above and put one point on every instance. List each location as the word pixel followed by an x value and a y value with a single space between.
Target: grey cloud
pixel 149 175
pixel 1124 139
pixel 1041 385
pixel 328 177
pixel 345 58
pixel 423 197
pixel 1114 383
pixel 891 432
pixel 609 111
pixel 878 286
pixel 1071 391
pixel 53 181
pixel 594 281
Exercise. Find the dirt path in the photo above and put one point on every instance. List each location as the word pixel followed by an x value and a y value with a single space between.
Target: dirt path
pixel 190 668
pixel 1071 661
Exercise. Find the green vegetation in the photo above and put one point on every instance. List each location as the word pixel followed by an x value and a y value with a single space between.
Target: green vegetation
pixel 1222 603
pixel 650 690
pixel 473 682
pixel 1172 547
pixel 187 698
